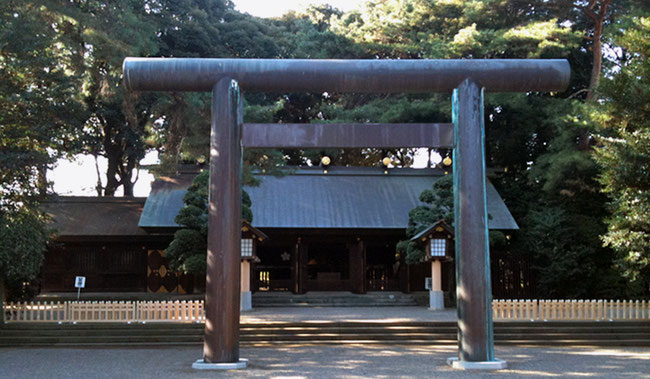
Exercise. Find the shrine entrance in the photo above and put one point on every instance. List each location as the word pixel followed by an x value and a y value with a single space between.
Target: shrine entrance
pixel 466 79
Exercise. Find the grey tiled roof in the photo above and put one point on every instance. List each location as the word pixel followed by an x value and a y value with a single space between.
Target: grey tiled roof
pixel 94 216
pixel 308 198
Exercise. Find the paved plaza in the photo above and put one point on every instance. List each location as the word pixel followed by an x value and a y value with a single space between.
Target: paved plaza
pixel 322 362
pixel 317 361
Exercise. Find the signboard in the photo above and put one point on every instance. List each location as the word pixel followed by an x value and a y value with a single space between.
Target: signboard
pixel 428 284
pixel 80 282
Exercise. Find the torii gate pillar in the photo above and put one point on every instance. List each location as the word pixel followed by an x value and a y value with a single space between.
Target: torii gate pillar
pixel 473 284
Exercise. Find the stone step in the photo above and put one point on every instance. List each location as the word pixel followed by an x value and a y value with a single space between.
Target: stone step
pixel 552 333
pixel 573 343
pixel 499 334
pixel 334 299
pixel 572 327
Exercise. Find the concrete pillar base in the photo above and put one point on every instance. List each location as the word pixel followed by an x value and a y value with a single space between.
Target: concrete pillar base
pixel 246 301
pixel 496 364
pixel 436 300
pixel 202 365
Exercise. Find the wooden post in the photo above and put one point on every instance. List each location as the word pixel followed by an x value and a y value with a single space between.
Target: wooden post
pixel 245 276
pixel 300 267
pixel 357 264
pixel 436 296
pixel 246 296
pixel 474 289
pixel 295 268
pixel 436 275
pixel 221 343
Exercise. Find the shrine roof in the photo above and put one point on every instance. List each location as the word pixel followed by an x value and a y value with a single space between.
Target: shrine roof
pixel 341 197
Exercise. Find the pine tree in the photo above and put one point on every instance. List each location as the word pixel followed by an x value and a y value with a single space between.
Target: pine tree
pixel 624 153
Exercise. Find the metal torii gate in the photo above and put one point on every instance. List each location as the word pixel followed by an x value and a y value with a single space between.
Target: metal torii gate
pixel 466 78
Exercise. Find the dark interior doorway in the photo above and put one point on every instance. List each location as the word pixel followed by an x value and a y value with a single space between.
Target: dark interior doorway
pixel 273 271
pixel 382 267
pixel 328 267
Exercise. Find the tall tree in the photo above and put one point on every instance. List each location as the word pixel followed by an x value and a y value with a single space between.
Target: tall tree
pixel 111 31
pixel 41 114
pixel 624 151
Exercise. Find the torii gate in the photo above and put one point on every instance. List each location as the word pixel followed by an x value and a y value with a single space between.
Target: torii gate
pixel 466 135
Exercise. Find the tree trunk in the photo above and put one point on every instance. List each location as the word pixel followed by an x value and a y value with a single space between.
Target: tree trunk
pixel 128 186
pixel 42 179
pixel 584 139
pixel 597 62
pixel 112 183
pixel 597 47
pixel 99 187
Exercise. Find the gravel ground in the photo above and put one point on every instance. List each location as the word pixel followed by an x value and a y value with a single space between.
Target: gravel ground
pixel 322 362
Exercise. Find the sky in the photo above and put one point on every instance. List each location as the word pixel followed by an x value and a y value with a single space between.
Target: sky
pixel 78 177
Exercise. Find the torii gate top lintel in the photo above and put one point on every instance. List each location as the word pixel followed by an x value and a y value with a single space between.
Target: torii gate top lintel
pixel 362 76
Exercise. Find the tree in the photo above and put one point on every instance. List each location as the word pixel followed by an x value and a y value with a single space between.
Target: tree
pixel 116 126
pixel 624 152
pixel 441 207
pixel 41 114
pixel 23 237
pixel 187 252
pixel 40 110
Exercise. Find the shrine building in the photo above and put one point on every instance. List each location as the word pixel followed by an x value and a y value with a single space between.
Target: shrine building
pixel 314 229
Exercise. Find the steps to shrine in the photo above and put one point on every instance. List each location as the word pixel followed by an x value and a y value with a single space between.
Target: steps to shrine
pixel 332 299
pixel 583 333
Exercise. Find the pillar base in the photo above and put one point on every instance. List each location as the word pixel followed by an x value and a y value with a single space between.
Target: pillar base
pixel 202 365
pixel 496 364
pixel 246 301
pixel 436 300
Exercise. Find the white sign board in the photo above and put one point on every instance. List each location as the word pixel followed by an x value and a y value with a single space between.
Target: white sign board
pixel 80 282
pixel 428 284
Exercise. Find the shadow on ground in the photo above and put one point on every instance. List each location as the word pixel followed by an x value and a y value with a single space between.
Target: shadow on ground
pixel 322 362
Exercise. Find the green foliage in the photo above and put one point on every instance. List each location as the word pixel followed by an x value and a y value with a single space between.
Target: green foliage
pixel 562 214
pixel 411 250
pixel 441 207
pixel 624 153
pixel 23 239
pixel 568 264
pixel 40 115
pixel 39 101
pixel 441 200
pixel 459 29
pixel 187 252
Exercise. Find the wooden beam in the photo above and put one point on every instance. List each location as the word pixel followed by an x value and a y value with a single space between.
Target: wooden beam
pixel 306 136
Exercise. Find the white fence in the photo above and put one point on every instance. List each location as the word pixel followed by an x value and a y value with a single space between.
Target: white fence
pixel 193 311
pixel 570 310
pixel 105 311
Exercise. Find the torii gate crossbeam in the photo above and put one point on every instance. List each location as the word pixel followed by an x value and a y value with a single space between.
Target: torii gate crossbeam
pixel 466 78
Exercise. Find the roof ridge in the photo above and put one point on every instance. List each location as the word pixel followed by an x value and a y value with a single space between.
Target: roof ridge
pixel 94 199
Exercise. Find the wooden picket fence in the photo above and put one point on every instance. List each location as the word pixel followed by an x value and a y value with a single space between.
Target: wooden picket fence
pixel 105 311
pixel 193 311
pixel 571 310
pixel 177 311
